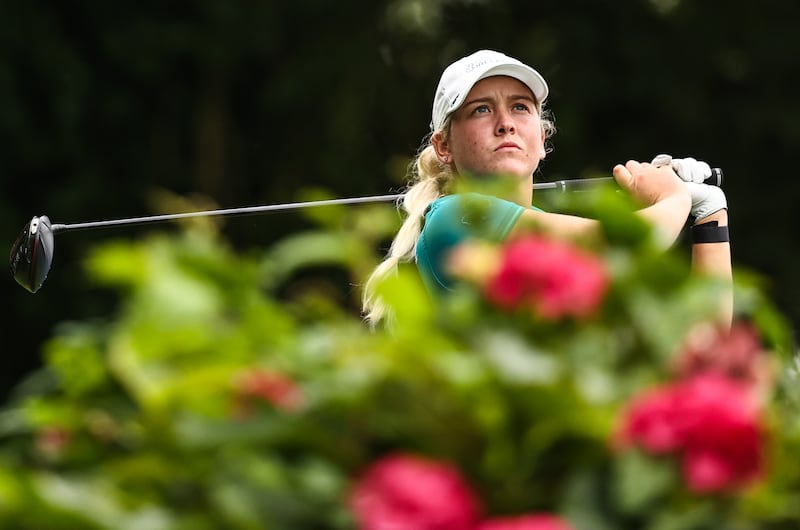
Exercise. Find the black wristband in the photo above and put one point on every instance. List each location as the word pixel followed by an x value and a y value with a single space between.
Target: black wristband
pixel 710 232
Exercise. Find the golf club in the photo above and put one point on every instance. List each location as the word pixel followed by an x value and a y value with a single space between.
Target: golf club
pixel 32 252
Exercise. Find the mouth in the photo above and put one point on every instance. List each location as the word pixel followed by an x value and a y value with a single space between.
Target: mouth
pixel 507 145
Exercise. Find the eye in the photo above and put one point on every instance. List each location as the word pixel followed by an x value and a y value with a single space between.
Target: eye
pixel 522 107
pixel 481 109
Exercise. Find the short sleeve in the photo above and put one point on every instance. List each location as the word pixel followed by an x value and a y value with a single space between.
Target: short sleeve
pixel 454 219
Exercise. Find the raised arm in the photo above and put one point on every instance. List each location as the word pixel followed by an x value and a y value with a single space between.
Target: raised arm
pixel 667 202
pixel 711 248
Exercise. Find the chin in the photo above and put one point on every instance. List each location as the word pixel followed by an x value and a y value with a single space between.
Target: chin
pixel 515 172
pixel 520 170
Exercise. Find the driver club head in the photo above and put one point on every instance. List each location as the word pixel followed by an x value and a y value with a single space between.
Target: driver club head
pixel 32 254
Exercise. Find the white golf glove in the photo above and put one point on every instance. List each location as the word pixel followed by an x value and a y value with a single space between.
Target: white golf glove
pixel 706 199
pixel 688 169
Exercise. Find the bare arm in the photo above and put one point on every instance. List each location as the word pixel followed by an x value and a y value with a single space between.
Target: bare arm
pixel 714 259
pixel 664 194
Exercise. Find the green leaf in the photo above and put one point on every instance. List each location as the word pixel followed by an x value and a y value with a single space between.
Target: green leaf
pixel 518 361
pixel 408 299
pixel 95 501
pixel 700 516
pixel 75 356
pixel 641 480
pixel 315 248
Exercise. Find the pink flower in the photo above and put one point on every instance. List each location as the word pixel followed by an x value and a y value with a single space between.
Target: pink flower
pixel 552 278
pixel 273 387
pixel 736 354
pixel 525 522
pixel 408 492
pixel 711 421
pixel 654 421
pixel 723 438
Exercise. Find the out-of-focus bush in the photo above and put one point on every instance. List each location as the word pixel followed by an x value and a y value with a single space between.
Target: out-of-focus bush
pixel 561 386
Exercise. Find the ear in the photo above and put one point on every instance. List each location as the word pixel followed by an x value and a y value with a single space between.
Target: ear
pixel 544 145
pixel 442 147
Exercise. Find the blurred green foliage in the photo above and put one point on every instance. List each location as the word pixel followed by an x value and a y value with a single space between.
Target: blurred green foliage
pixel 235 390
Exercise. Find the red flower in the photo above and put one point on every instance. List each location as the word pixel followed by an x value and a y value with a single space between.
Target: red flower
pixel 273 387
pixel 525 522
pixel 736 354
pixel 654 421
pixel 723 439
pixel 52 440
pixel 711 421
pixel 552 278
pixel 407 492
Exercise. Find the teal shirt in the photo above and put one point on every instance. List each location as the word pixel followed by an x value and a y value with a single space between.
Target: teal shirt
pixel 451 220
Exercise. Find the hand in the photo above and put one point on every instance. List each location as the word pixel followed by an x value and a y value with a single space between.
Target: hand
pixel 666 198
pixel 706 200
pixel 688 169
pixel 648 183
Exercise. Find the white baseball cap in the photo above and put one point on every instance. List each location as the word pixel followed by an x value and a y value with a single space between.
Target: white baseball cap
pixel 459 78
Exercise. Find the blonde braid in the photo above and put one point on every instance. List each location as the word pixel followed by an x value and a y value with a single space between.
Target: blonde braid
pixel 430 180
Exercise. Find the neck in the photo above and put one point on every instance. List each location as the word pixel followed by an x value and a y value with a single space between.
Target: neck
pixel 524 196
pixel 519 190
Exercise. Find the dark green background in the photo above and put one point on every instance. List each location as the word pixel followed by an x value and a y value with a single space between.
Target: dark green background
pixel 102 104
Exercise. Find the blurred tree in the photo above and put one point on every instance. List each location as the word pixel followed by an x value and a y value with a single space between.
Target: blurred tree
pixel 239 103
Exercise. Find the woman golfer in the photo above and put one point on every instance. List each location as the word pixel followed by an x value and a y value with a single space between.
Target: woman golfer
pixel 489 119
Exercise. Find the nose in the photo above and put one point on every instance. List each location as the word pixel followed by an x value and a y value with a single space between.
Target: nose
pixel 505 125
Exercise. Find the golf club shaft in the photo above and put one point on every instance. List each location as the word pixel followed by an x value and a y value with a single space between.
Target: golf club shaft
pixel 227 211
pixel 561 185
pixel 56 227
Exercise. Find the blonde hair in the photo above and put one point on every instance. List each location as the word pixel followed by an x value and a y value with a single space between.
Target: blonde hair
pixel 429 179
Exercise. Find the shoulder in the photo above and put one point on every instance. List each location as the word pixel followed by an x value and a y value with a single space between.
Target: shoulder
pixel 471 205
pixel 471 214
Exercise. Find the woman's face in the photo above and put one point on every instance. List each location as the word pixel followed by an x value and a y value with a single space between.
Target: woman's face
pixel 495 131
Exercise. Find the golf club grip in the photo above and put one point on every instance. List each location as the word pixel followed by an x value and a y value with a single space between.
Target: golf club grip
pixel 568 185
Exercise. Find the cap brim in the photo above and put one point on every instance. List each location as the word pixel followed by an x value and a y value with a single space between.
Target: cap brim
pixel 524 74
